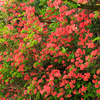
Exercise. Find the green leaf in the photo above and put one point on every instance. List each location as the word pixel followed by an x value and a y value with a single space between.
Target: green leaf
pixel 86 96
pixel 67 85
pixel 15 19
pixel 59 60
pixel 89 83
pixel 71 68
pixel 30 35
pixel 35 42
pixel 91 94
pixel 40 29
pixel 30 87
pixel 6 80
pixel 70 91
pixel 93 71
pixel 97 38
pixel 37 95
pixel 43 11
pixel 11 81
pixel 36 63
pixel 32 43
pixel 65 1
pixel 25 39
pixel 79 79
pixel 52 48
pixel 23 31
pixel 25 84
pixel 11 72
pixel 19 75
pixel 2 40
pixel 78 85
pixel 14 74
pixel 75 5
pixel 63 50
pixel 56 80
pixel 96 14
pixel 71 56
pixel 78 4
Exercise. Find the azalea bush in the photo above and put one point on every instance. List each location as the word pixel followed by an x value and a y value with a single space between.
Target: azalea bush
pixel 48 50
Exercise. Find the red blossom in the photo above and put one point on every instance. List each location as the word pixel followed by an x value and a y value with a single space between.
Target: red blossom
pixel 59 94
pixel 83 88
pixel 97 86
pixel 94 76
pixel 69 95
pixel 10 27
pixel 82 66
pixel 98 91
pixel 26 77
pixel 35 91
pixel 94 81
pixel 25 91
pixel 1 58
pixel 90 45
pixel 98 72
pixel 72 60
pixel 74 91
pixel 61 98
pixel 50 66
pixel 1 76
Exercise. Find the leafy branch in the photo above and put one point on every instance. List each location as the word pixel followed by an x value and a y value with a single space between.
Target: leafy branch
pixel 41 19
pixel 86 6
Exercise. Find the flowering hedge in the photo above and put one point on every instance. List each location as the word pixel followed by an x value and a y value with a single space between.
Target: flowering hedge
pixel 47 51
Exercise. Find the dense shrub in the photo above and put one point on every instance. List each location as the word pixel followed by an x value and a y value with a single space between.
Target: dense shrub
pixel 47 52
